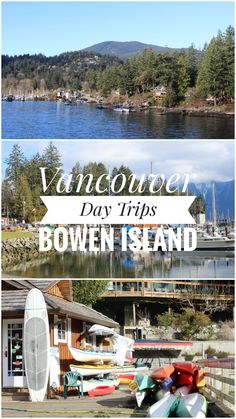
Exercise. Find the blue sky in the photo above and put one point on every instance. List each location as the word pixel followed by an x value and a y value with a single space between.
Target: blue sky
pixel 54 27
pixel 210 160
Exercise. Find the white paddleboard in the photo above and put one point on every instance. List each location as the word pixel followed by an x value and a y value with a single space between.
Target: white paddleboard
pixel 36 345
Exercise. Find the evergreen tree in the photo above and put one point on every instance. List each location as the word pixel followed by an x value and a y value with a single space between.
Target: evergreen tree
pixel 15 165
pixel 213 70
pixel 23 205
pixel 96 169
pixel 229 58
pixel 51 159
pixel 7 199
pixel 88 292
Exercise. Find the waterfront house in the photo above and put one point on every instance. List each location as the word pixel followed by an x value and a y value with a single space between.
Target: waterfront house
pixel 134 304
pixel 160 92
pixel 68 325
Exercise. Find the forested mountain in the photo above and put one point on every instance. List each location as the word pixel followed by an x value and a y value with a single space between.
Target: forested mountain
pixel 65 70
pixel 224 198
pixel 184 74
pixel 125 50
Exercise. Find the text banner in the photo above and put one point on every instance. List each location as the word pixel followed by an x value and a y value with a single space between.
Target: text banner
pixel 118 210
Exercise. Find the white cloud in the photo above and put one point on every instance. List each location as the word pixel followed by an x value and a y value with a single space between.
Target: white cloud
pixel 209 159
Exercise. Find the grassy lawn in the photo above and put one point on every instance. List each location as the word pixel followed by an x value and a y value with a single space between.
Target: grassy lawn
pixel 18 234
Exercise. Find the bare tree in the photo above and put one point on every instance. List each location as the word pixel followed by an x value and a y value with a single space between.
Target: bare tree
pixel 206 299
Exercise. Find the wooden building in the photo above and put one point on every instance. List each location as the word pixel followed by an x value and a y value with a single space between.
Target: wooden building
pixel 68 325
pixel 135 303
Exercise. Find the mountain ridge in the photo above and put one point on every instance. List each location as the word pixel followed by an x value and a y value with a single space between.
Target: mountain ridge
pixel 127 49
pixel 224 197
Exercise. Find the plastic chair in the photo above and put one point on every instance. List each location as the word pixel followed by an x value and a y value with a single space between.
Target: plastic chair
pixel 70 379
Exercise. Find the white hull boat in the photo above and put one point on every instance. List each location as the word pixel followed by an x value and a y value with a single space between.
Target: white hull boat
pixel 90 370
pixel 91 384
pixel 91 356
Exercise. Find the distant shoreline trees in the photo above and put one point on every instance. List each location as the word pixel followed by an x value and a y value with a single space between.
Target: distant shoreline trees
pixel 210 72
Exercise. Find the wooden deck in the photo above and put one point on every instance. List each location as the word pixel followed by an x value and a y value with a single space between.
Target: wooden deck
pixel 117 404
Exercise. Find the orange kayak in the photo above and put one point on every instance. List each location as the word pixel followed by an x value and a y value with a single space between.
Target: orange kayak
pixel 162 372
pixel 188 367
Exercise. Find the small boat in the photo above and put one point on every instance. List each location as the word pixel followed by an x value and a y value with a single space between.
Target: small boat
pixel 91 384
pixel 184 379
pixel 193 405
pixel 124 109
pixel 164 407
pixel 184 390
pixel 163 372
pixel 199 378
pixel 185 367
pixel 89 370
pixel 168 382
pixel 216 242
pixel 126 378
pixel 100 106
pixel 101 391
pixel 91 356
pixel 144 384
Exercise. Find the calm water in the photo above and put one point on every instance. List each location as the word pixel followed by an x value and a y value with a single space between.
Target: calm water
pixel 55 120
pixel 129 265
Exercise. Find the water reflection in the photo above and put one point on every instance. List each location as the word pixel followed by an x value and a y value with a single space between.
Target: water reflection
pixel 55 120
pixel 129 265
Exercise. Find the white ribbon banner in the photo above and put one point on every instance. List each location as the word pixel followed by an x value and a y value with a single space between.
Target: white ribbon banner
pixel 118 210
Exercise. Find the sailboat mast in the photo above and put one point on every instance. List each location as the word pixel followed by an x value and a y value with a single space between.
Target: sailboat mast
pixel 213 205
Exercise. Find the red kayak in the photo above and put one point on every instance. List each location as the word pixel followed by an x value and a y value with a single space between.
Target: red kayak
pixel 163 372
pixel 101 391
pixel 183 379
pixel 186 367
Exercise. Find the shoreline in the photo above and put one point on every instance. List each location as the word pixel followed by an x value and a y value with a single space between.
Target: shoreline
pixel 204 111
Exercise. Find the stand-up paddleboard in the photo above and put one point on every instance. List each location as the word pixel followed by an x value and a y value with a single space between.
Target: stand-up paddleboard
pixel 36 345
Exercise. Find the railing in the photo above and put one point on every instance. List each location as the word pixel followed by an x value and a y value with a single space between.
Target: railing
pixel 220 384
pixel 170 289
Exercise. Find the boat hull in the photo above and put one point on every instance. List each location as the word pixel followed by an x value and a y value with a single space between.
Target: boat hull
pixel 101 391
pixel 193 405
pixel 89 370
pixel 83 355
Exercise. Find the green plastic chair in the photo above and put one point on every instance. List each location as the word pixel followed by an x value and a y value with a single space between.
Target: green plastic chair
pixel 70 379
